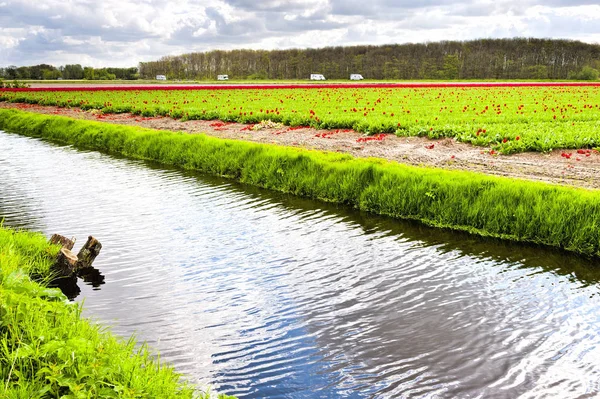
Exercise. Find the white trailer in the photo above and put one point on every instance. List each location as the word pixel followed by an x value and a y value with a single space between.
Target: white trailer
pixel 222 77
pixel 316 76
pixel 161 77
pixel 356 76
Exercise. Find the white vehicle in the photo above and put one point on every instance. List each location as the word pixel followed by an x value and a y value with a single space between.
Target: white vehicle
pixel 316 76
pixel 161 77
pixel 356 76
pixel 222 77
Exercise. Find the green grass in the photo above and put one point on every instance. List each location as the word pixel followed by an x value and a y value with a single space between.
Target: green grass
pixel 508 119
pixel 48 351
pixel 513 209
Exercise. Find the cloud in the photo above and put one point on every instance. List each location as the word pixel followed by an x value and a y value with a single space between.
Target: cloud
pixel 115 22
pixel 272 5
pixel 123 32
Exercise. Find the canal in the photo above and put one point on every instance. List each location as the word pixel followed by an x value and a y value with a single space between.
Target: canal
pixel 266 295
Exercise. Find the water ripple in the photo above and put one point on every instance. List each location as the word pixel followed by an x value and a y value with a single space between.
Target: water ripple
pixel 267 295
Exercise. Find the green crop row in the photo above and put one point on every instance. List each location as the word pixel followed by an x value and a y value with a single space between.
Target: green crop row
pixel 508 119
pixel 513 209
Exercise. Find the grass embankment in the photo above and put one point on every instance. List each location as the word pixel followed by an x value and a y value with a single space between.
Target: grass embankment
pixel 518 210
pixel 508 119
pixel 48 351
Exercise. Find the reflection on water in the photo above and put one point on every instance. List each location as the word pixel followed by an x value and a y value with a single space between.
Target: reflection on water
pixel 70 285
pixel 269 295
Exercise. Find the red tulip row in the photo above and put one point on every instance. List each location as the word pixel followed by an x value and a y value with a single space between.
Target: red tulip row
pixel 305 86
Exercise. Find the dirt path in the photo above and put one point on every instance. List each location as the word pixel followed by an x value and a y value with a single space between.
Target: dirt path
pixel 580 170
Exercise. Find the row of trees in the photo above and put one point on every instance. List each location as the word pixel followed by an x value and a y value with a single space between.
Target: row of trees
pixel 73 71
pixel 518 58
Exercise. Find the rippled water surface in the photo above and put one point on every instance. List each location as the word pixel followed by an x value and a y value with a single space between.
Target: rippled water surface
pixel 267 295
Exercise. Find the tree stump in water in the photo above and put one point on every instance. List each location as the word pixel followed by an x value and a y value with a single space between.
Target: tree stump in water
pixel 69 266
pixel 66 263
pixel 88 253
pixel 62 241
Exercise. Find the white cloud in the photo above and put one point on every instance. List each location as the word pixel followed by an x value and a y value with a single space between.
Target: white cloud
pixel 122 32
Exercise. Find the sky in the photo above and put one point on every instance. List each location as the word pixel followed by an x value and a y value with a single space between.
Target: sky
pixel 121 33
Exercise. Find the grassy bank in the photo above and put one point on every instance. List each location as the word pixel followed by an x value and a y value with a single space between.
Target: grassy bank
pixel 490 206
pixel 48 351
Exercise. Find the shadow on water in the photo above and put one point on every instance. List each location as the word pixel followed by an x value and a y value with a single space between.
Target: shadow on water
pixel 69 285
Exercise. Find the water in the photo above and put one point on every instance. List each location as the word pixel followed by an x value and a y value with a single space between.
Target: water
pixel 266 295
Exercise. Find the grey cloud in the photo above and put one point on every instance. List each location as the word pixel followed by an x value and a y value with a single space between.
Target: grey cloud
pixel 80 21
pixel 269 5
pixel 552 25
pixel 215 15
pixel 563 3
pixel 352 7
pixel 477 9
pixel 355 35
pixel 241 31
pixel 299 23
pixel 42 42
pixel 50 48
pixel 248 31
pixel 260 23
pixel 185 32
pixel 392 9
pixel 384 9
pixel 47 42
pixel 246 26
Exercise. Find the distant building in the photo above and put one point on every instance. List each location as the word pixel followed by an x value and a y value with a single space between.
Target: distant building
pixel 161 77
pixel 317 76
pixel 222 77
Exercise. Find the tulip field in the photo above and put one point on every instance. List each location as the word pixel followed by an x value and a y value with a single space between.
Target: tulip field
pixel 508 118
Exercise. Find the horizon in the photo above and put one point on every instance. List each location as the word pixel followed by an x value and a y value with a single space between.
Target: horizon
pixel 123 34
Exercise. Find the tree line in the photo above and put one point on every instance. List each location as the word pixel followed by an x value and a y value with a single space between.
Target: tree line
pixel 72 71
pixel 517 58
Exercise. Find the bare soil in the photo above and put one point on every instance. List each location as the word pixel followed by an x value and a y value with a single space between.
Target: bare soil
pixel 581 170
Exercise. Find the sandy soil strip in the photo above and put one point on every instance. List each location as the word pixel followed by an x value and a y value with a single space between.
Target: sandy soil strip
pixel 580 170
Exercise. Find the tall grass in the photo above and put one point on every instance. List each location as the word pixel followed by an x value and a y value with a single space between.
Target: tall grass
pixel 512 209
pixel 48 351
